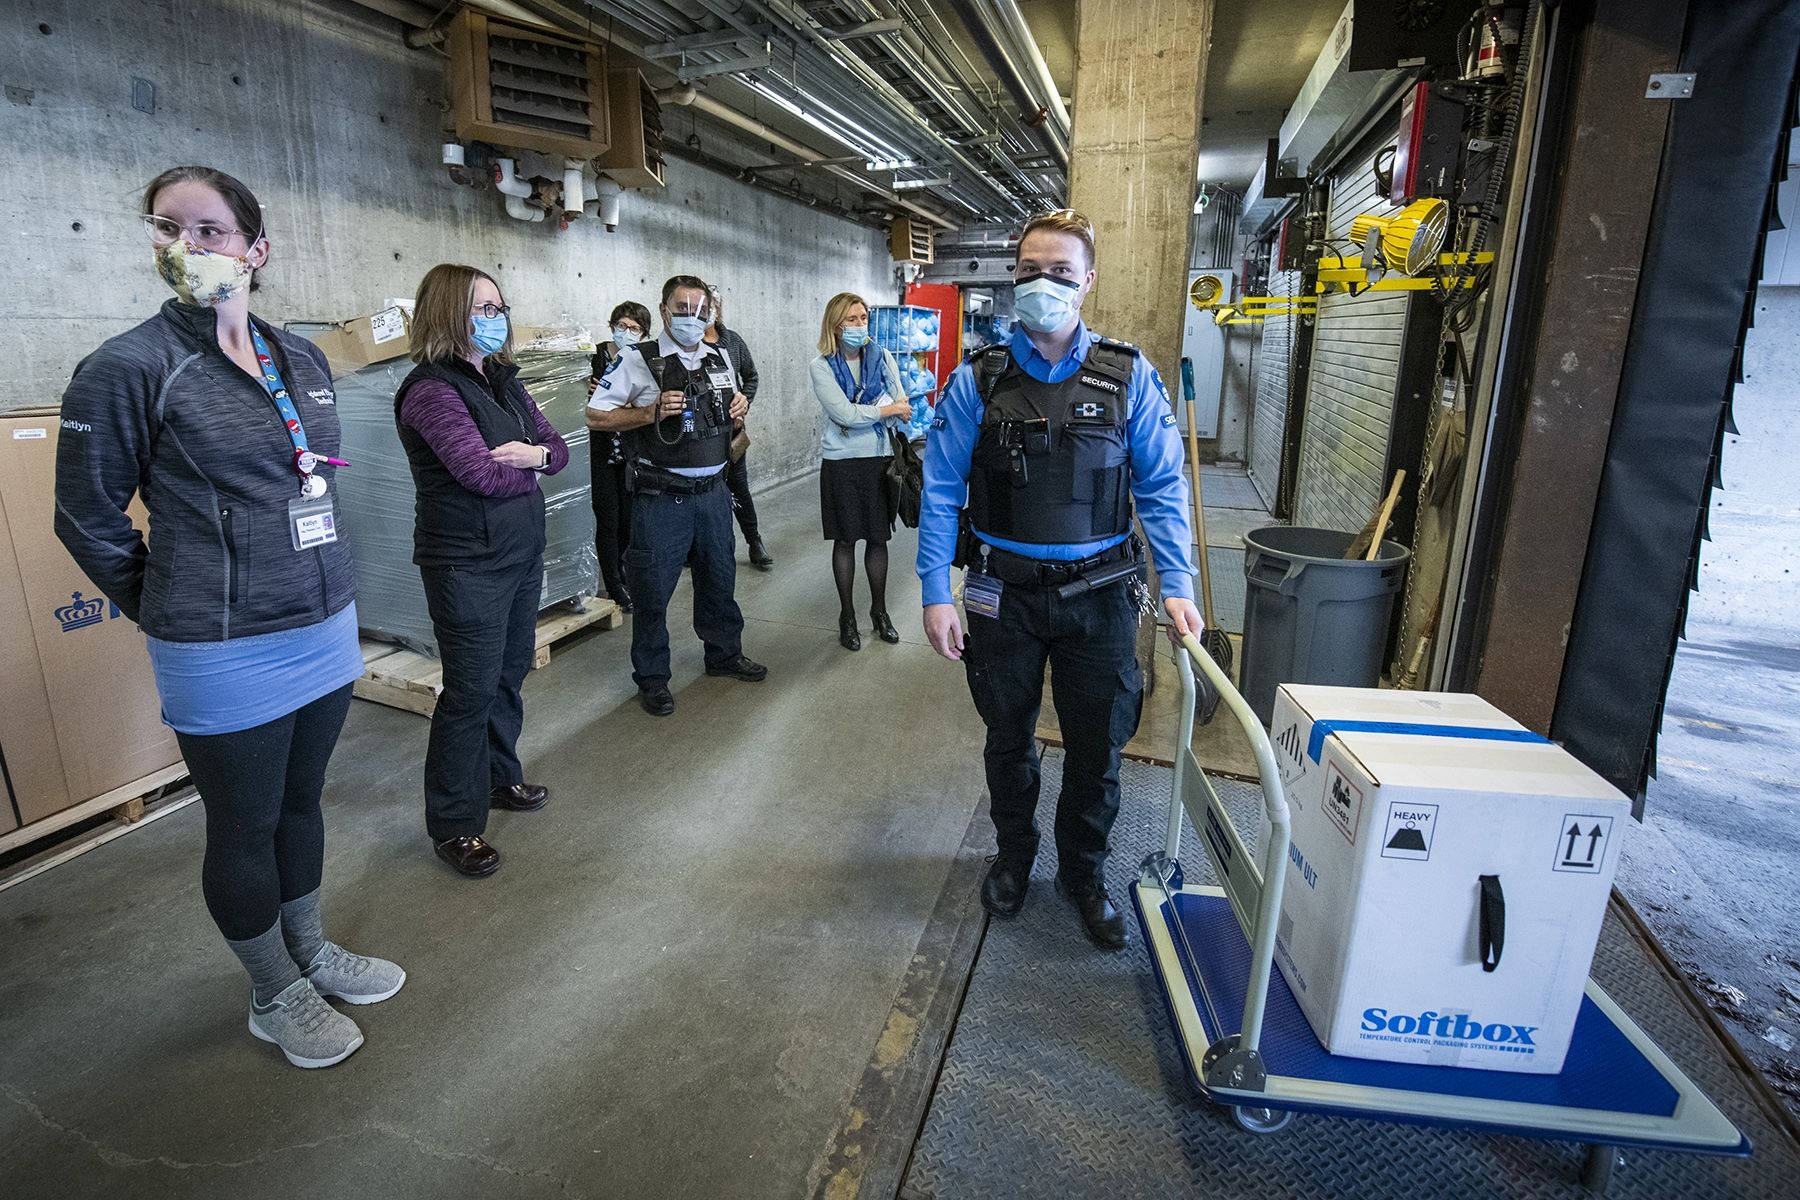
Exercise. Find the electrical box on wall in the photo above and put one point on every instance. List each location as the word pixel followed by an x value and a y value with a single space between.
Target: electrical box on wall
pixel 635 158
pixel 527 88
pixel 911 240
pixel 1425 157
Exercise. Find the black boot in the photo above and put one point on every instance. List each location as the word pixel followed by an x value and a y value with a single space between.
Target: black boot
pixel 1003 891
pixel 884 628
pixel 760 558
pixel 848 636
pixel 1105 924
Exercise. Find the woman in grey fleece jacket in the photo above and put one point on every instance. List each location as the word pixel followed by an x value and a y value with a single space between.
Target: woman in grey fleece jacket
pixel 227 428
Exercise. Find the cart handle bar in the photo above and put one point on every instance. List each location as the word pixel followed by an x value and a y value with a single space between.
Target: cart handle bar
pixel 1274 800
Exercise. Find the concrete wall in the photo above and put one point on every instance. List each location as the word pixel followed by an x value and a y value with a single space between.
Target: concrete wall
pixel 319 107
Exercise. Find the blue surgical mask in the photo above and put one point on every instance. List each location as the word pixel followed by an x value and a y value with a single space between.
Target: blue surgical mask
pixel 489 333
pixel 854 336
pixel 686 330
pixel 1046 304
pixel 625 337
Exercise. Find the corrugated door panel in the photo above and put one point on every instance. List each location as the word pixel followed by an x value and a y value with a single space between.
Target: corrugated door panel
pixel 1354 373
pixel 1268 423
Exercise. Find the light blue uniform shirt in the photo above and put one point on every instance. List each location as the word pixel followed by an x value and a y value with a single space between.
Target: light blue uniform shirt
pixel 1157 484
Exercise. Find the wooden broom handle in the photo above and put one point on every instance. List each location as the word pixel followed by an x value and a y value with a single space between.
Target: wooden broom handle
pixel 1387 513
pixel 1193 445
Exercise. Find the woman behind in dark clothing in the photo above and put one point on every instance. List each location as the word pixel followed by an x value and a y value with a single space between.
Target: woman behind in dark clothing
pixel 225 425
pixel 476 444
pixel 629 325
pixel 737 473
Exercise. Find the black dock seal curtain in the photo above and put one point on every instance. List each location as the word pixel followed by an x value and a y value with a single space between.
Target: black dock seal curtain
pixel 1726 148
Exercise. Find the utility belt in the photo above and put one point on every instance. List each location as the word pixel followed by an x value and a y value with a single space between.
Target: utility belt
pixel 647 479
pixel 1067 577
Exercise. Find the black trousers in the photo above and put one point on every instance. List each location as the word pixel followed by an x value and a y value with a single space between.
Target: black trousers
pixel 612 518
pixel 737 478
pixel 669 532
pixel 265 835
pixel 1097 686
pixel 486 627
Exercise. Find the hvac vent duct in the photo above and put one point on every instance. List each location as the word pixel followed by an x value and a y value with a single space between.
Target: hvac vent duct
pixel 527 88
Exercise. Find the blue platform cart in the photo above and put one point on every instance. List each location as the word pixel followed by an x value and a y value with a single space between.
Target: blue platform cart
pixel 1247 1044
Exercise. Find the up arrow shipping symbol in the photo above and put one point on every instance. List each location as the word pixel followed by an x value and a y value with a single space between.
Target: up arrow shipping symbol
pixel 1571 855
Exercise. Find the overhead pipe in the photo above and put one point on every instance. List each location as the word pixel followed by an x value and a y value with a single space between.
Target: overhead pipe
pixel 895 112
pixel 807 154
pixel 516 191
pixel 1035 112
pixel 1013 22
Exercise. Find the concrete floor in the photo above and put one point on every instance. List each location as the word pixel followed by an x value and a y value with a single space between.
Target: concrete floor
pixel 669 989
pixel 1711 867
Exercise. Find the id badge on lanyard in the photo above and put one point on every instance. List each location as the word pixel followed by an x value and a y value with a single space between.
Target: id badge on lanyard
pixel 981 591
pixel 311 521
pixel 310 517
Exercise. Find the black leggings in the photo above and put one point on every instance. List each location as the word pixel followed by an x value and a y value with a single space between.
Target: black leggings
pixel 265 835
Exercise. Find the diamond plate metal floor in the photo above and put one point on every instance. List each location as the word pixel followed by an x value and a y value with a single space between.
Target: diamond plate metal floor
pixel 1063 1079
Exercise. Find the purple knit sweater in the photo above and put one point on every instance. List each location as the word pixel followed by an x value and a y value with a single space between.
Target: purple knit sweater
pixel 438 413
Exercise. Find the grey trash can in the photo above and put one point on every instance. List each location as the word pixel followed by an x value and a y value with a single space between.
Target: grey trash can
pixel 1312 616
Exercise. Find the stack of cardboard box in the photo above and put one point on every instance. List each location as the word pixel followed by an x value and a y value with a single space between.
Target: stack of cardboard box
pixel 79 715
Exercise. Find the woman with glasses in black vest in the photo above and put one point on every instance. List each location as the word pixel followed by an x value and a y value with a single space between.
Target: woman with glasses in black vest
pixel 476 444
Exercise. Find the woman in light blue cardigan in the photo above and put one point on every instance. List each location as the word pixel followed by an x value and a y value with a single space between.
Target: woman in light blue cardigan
pixel 861 396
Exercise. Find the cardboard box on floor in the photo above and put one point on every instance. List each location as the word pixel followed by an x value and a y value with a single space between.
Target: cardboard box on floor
pixel 79 714
pixel 362 341
pixel 1447 875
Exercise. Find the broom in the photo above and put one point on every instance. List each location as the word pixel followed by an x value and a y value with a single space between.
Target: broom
pixel 1215 641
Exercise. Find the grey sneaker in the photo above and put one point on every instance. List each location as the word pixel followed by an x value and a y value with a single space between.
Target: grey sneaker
pixel 335 971
pixel 309 1031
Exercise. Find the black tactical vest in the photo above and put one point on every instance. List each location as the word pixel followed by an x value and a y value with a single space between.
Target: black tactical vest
pixel 453 526
pixel 709 389
pixel 1052 460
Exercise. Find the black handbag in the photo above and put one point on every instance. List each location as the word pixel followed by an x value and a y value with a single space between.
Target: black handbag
pixel 905 480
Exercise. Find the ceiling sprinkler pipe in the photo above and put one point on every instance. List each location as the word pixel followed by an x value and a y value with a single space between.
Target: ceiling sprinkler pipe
pixel 1013 24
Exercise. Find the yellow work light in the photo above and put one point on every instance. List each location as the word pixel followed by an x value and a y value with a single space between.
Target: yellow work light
pixel 1204 290
pixel 1408 241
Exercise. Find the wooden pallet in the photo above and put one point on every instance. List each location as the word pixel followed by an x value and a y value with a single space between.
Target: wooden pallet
pixel 402 678
pixel 132 805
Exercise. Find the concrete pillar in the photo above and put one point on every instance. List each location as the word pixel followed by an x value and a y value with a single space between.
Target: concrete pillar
pixel 1139 70
pixel 1140 67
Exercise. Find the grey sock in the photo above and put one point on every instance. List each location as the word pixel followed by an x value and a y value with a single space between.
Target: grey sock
pixel 301 928
pixel 270 965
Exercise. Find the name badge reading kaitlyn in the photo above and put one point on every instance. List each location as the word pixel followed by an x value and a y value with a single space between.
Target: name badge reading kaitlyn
pixel 981 594
pixel 311 522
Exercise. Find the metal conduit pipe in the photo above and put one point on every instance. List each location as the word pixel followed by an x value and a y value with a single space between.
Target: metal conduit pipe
pixel 907 48
pixel 852 107
pixel 806 154
pixel 1012 22
pixel 830 62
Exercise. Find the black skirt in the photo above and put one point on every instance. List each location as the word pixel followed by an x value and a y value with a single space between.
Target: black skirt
pixel 853 499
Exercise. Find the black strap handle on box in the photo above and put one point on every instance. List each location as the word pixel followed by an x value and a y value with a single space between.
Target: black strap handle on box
pixel 1493 922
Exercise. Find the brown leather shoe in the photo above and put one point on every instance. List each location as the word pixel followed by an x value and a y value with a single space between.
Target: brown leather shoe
pixel 521 797
pixel 469 856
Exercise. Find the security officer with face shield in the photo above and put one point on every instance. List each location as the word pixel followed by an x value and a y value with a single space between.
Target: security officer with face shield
pixel 675 399
pixel 1051 438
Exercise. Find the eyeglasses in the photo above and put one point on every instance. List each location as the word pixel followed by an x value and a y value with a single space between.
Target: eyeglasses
pixel 205 235
pixel 490 311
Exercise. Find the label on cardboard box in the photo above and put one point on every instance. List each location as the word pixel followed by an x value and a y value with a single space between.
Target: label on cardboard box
pixel 1402 803
pixel 386 325
pixel 30 435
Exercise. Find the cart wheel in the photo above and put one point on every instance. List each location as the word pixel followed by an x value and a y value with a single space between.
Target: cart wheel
pixel 1261 1120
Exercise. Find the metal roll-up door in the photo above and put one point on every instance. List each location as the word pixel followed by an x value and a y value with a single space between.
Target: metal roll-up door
pixel 1354 374
pixel 1268 421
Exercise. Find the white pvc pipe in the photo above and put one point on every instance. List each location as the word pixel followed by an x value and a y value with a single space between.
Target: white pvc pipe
pixel 572 190
pixel 609 193
pixel 509 182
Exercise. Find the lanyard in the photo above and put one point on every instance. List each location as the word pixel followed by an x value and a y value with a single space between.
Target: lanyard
pixel 284 404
